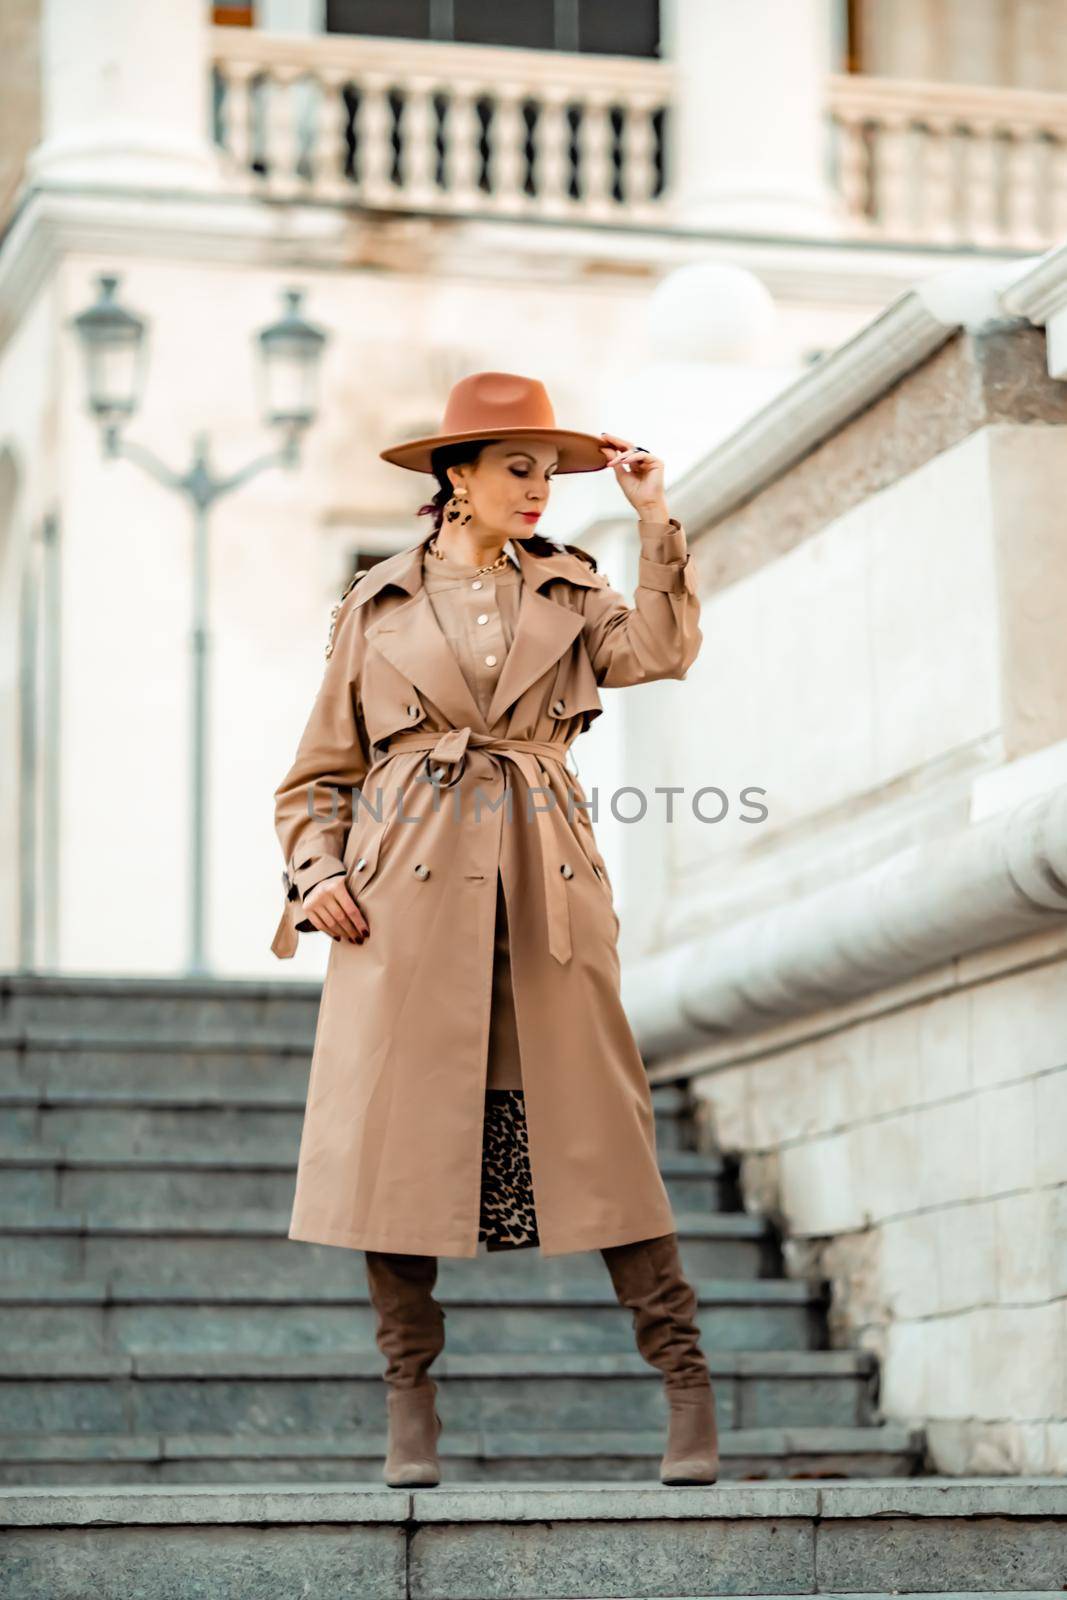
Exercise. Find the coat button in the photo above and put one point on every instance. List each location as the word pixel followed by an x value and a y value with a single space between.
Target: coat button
pixel 421 871
pixel 413 711
pixel 545 778
pixel 557 707
pixel 568 872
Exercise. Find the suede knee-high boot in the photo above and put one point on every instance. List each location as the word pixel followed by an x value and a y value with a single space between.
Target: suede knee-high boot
pixel 648 1278
pixel 411 1333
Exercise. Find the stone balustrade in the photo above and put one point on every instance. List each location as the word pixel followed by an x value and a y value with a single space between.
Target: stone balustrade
pixel 408 125
pixel 945 163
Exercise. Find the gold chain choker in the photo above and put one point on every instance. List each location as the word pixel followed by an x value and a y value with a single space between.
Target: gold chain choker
pixel 494 566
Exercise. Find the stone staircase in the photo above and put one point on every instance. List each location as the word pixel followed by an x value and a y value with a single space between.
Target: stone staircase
pixel 169 1359
pixel 157 1325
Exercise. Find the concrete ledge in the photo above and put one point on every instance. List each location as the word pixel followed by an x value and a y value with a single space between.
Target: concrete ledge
pixel 999 879
pixel 931 1498
pixel 207 1507
pixel 505 1542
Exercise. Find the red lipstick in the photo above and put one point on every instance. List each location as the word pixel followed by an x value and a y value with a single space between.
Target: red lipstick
pixel 530 516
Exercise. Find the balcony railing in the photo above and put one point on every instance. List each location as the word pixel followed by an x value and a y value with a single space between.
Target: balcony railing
pixel 403 125
pixel 949 163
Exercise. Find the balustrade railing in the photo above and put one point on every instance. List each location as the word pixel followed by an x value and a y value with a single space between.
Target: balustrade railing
pixel 408 125
pixel 951 163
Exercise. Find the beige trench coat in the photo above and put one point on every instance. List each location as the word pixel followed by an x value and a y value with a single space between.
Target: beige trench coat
pixel 421 801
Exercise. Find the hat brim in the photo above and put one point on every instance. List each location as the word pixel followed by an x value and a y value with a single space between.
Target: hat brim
pixel 578 452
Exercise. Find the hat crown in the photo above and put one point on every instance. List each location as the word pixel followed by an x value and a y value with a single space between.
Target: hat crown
pixel 487 406
pixel 492 400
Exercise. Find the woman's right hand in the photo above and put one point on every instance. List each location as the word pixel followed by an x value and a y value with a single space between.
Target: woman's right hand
pixel 331 909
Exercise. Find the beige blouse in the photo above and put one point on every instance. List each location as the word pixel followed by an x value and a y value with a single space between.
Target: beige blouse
pixel 477 613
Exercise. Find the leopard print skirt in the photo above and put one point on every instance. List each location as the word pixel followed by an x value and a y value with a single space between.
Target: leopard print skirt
pixel 508 1220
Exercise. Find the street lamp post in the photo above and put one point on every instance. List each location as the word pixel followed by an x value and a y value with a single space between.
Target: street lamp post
pixel 290 350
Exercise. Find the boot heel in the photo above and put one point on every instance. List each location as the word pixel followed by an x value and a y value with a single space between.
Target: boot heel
pixel 692 1454
pixel 414 1429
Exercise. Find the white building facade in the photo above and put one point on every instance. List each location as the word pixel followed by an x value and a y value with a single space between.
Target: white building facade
pixel 866 990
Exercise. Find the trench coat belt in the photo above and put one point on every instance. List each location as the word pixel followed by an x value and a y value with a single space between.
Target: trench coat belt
pixel 527 754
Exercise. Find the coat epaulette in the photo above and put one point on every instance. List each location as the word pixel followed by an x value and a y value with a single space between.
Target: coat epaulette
pixel 583 555
pixel 351 584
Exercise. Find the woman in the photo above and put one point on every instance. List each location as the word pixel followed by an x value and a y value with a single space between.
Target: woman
pixel 474 1081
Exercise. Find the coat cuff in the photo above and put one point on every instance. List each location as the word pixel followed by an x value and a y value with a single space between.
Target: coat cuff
pixel 309 873
pixel 296 885
pixel 665 562
pixel 662 541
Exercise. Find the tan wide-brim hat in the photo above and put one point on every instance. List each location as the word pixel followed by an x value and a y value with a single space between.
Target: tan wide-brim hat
pixel 501 405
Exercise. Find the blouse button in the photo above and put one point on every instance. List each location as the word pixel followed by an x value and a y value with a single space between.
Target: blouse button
pixel 490 661
pixel 567 871
pixel 361 863
pixel 483 617
pixel 421 871
pixel 477 583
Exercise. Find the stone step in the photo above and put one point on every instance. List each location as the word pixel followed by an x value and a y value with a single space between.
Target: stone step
pixel 86 1122
pixel 246 1394
pixel 66 1081
pixel 263 1069
pixel 129 1313
pixel 155 1007
pixel 471 1455
pixel 240 1245
pixel 525 1542
pixel 83 1174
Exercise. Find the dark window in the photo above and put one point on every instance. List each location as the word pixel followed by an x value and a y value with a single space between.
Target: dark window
pixel 528 24
pixel 600 27
pixel 394 19
pixel 607 28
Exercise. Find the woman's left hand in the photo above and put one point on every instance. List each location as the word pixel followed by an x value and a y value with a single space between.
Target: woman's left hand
pixel 639 476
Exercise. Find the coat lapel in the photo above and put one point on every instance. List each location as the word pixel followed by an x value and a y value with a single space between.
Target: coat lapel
pixel 543 630
pixel 410 637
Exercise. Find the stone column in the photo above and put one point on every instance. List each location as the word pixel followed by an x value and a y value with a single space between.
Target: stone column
pixel 125 95
pixel 749 140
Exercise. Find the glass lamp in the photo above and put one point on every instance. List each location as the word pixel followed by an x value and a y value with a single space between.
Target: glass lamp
pixel 290 354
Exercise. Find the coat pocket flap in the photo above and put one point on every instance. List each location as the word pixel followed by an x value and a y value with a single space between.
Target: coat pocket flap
pixel 391 703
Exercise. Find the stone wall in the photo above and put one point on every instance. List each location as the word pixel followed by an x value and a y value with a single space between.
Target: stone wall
pixel 885 652
pixel 917 1159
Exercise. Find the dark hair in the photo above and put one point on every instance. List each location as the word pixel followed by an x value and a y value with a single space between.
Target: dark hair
pixel 458 455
